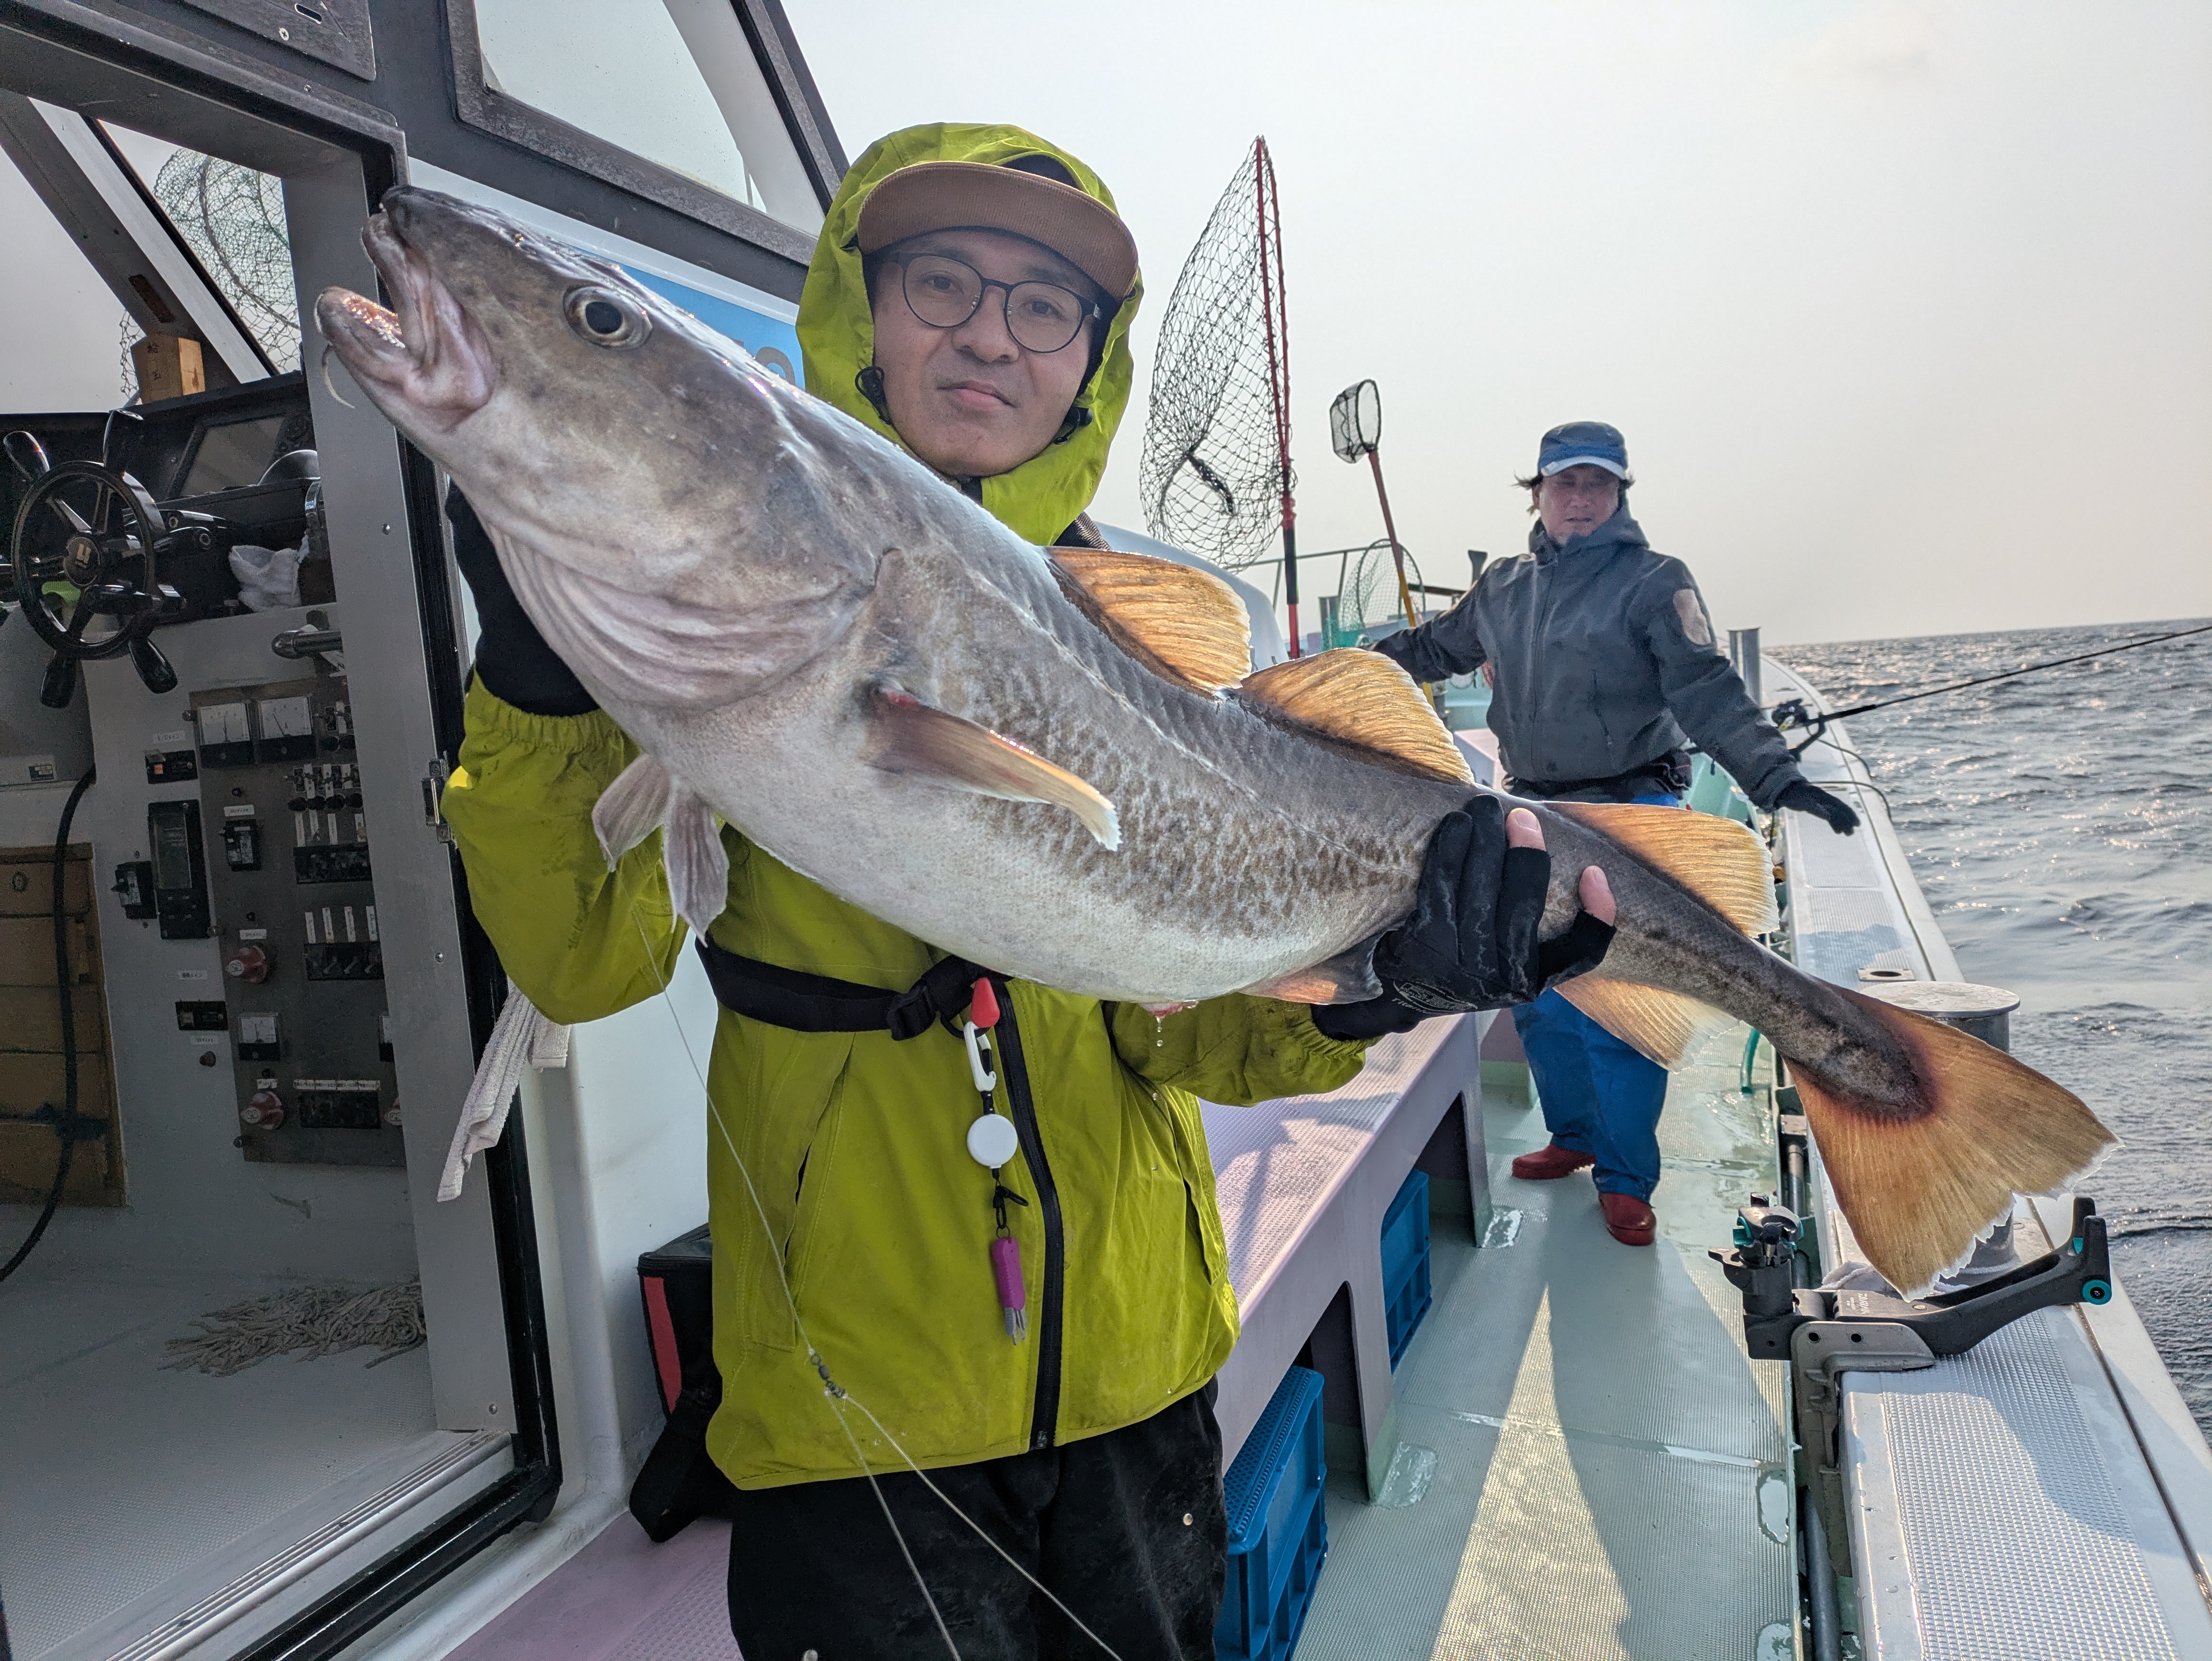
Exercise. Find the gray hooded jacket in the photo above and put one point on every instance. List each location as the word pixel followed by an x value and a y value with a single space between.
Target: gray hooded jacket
pixel 1604 659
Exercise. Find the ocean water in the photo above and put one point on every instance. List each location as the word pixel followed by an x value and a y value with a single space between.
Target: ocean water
pixel 2060 827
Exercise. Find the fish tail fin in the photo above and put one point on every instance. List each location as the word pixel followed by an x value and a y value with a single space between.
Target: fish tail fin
pixel 1919 1183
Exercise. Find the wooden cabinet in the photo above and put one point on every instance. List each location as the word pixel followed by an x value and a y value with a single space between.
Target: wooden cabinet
pixel 32 1073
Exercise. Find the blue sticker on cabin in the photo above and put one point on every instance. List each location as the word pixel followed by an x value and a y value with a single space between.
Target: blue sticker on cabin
pixel 770 339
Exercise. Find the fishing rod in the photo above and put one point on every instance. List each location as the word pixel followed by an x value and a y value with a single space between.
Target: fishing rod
pixel 1792 713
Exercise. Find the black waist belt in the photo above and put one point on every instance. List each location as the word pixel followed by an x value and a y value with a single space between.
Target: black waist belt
pixel 1670 772
pixel 815 1003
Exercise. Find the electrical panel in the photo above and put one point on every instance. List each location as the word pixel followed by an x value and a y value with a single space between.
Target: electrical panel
pixel 289 868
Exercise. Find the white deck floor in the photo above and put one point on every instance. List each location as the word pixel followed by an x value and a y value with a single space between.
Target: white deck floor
pixel 1594 1468
pixel 119 1478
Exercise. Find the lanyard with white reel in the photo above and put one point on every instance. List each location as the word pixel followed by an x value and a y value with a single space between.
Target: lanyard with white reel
pixel 991 1141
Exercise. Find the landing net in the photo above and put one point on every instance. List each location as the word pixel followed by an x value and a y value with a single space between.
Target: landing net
pixel 233 217
pixel 1215 477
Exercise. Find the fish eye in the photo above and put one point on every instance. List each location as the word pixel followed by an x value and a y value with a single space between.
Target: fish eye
pixel 605 318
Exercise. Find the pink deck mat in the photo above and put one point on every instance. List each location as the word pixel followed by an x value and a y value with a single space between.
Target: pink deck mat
pixel 621 1599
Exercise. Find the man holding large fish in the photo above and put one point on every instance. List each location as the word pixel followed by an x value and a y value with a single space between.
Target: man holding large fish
pixel 826 699
pixel 971 299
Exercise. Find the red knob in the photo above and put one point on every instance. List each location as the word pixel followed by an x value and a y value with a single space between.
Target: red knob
pixel 249 963
pixel 263 1111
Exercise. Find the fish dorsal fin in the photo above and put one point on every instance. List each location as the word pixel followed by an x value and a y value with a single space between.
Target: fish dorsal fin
pixel 1662 1025
pixel 1363 699
pixel 1720 862
pixel 917 740
pixel 1186 625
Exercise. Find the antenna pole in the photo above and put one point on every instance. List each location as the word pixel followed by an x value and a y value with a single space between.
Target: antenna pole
pixel 1275 317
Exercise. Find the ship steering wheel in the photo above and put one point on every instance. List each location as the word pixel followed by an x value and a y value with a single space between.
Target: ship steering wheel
pixel 92 529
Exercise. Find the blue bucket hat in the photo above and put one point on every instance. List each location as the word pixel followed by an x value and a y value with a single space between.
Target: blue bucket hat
pixel 1582 443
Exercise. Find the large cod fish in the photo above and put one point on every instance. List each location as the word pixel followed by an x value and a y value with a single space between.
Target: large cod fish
pixel 1055 762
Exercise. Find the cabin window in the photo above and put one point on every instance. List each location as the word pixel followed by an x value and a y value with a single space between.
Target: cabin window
pixel 69 348
pixel 231 218
pixel 674 82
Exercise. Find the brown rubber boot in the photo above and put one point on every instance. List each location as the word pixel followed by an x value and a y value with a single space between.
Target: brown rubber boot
pixel 1628 1219
pixel 1549 1162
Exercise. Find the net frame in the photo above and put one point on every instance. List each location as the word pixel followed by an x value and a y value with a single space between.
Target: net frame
pixel 1216 476
pixel 231 218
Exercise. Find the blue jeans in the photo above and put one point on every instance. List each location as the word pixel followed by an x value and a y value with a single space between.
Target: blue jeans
pixel 1602 1097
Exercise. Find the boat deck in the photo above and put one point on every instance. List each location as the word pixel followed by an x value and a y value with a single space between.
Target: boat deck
pixel 1590 1466
pixel 2046 1496
pixel 147 1485
pixel 1574 1458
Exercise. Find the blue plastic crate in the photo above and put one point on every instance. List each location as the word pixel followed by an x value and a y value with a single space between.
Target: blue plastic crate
pixel 1278 1525
pixel 1406 1292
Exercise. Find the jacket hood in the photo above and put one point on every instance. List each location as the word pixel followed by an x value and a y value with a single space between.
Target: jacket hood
pixel 1621 531
pixel 837 333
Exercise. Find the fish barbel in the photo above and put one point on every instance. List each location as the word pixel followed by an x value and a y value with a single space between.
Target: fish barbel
pixel 1053 762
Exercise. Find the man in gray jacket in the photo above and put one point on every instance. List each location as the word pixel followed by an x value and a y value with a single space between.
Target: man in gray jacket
pixel 1603 668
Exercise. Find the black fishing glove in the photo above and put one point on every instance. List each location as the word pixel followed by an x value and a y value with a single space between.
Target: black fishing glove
pixel 1806 798
pixel 513 658
pixel 1471 942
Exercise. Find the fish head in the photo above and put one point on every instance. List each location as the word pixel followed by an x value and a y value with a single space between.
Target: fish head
pixel 683 526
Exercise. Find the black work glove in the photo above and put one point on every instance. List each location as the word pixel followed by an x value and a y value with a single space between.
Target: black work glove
pixel 513 658
pixel 1807 797
pixel 1471 942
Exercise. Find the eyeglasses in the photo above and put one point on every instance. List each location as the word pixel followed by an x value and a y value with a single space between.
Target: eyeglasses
pixel 1042 317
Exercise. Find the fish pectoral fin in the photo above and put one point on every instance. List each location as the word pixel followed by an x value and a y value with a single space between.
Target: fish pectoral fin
pixel 1660 1025
pixel 1186 625
pixel 1365 700
pixel 917 740
pixel 1347 978
pixel 631 808
pixel 644 797
pixel 698 866
pixel 1721 862
pixel 1918 1185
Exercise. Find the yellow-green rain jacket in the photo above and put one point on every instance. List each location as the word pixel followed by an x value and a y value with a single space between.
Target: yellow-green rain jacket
pixel 856 1143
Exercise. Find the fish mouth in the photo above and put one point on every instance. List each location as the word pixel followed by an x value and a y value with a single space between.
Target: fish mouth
pixel 429 358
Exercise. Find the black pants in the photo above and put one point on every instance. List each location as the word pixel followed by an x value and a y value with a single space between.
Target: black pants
pixel 1126 1529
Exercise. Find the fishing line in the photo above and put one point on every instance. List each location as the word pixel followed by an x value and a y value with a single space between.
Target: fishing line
pixel 327 387
pixel 834 1392
pixel 1866 783
pixel 2009 674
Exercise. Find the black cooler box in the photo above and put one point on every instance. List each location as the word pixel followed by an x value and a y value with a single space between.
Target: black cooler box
pixel 679 1482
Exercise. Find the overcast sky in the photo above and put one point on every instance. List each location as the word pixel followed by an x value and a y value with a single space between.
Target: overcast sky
pixel 1906 309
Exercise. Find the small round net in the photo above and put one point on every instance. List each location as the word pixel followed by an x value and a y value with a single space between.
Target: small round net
pixel 1368 602
pixel 234 219
pixel 1213 477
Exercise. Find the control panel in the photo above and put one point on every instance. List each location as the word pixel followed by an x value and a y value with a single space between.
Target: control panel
pixel 281 836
